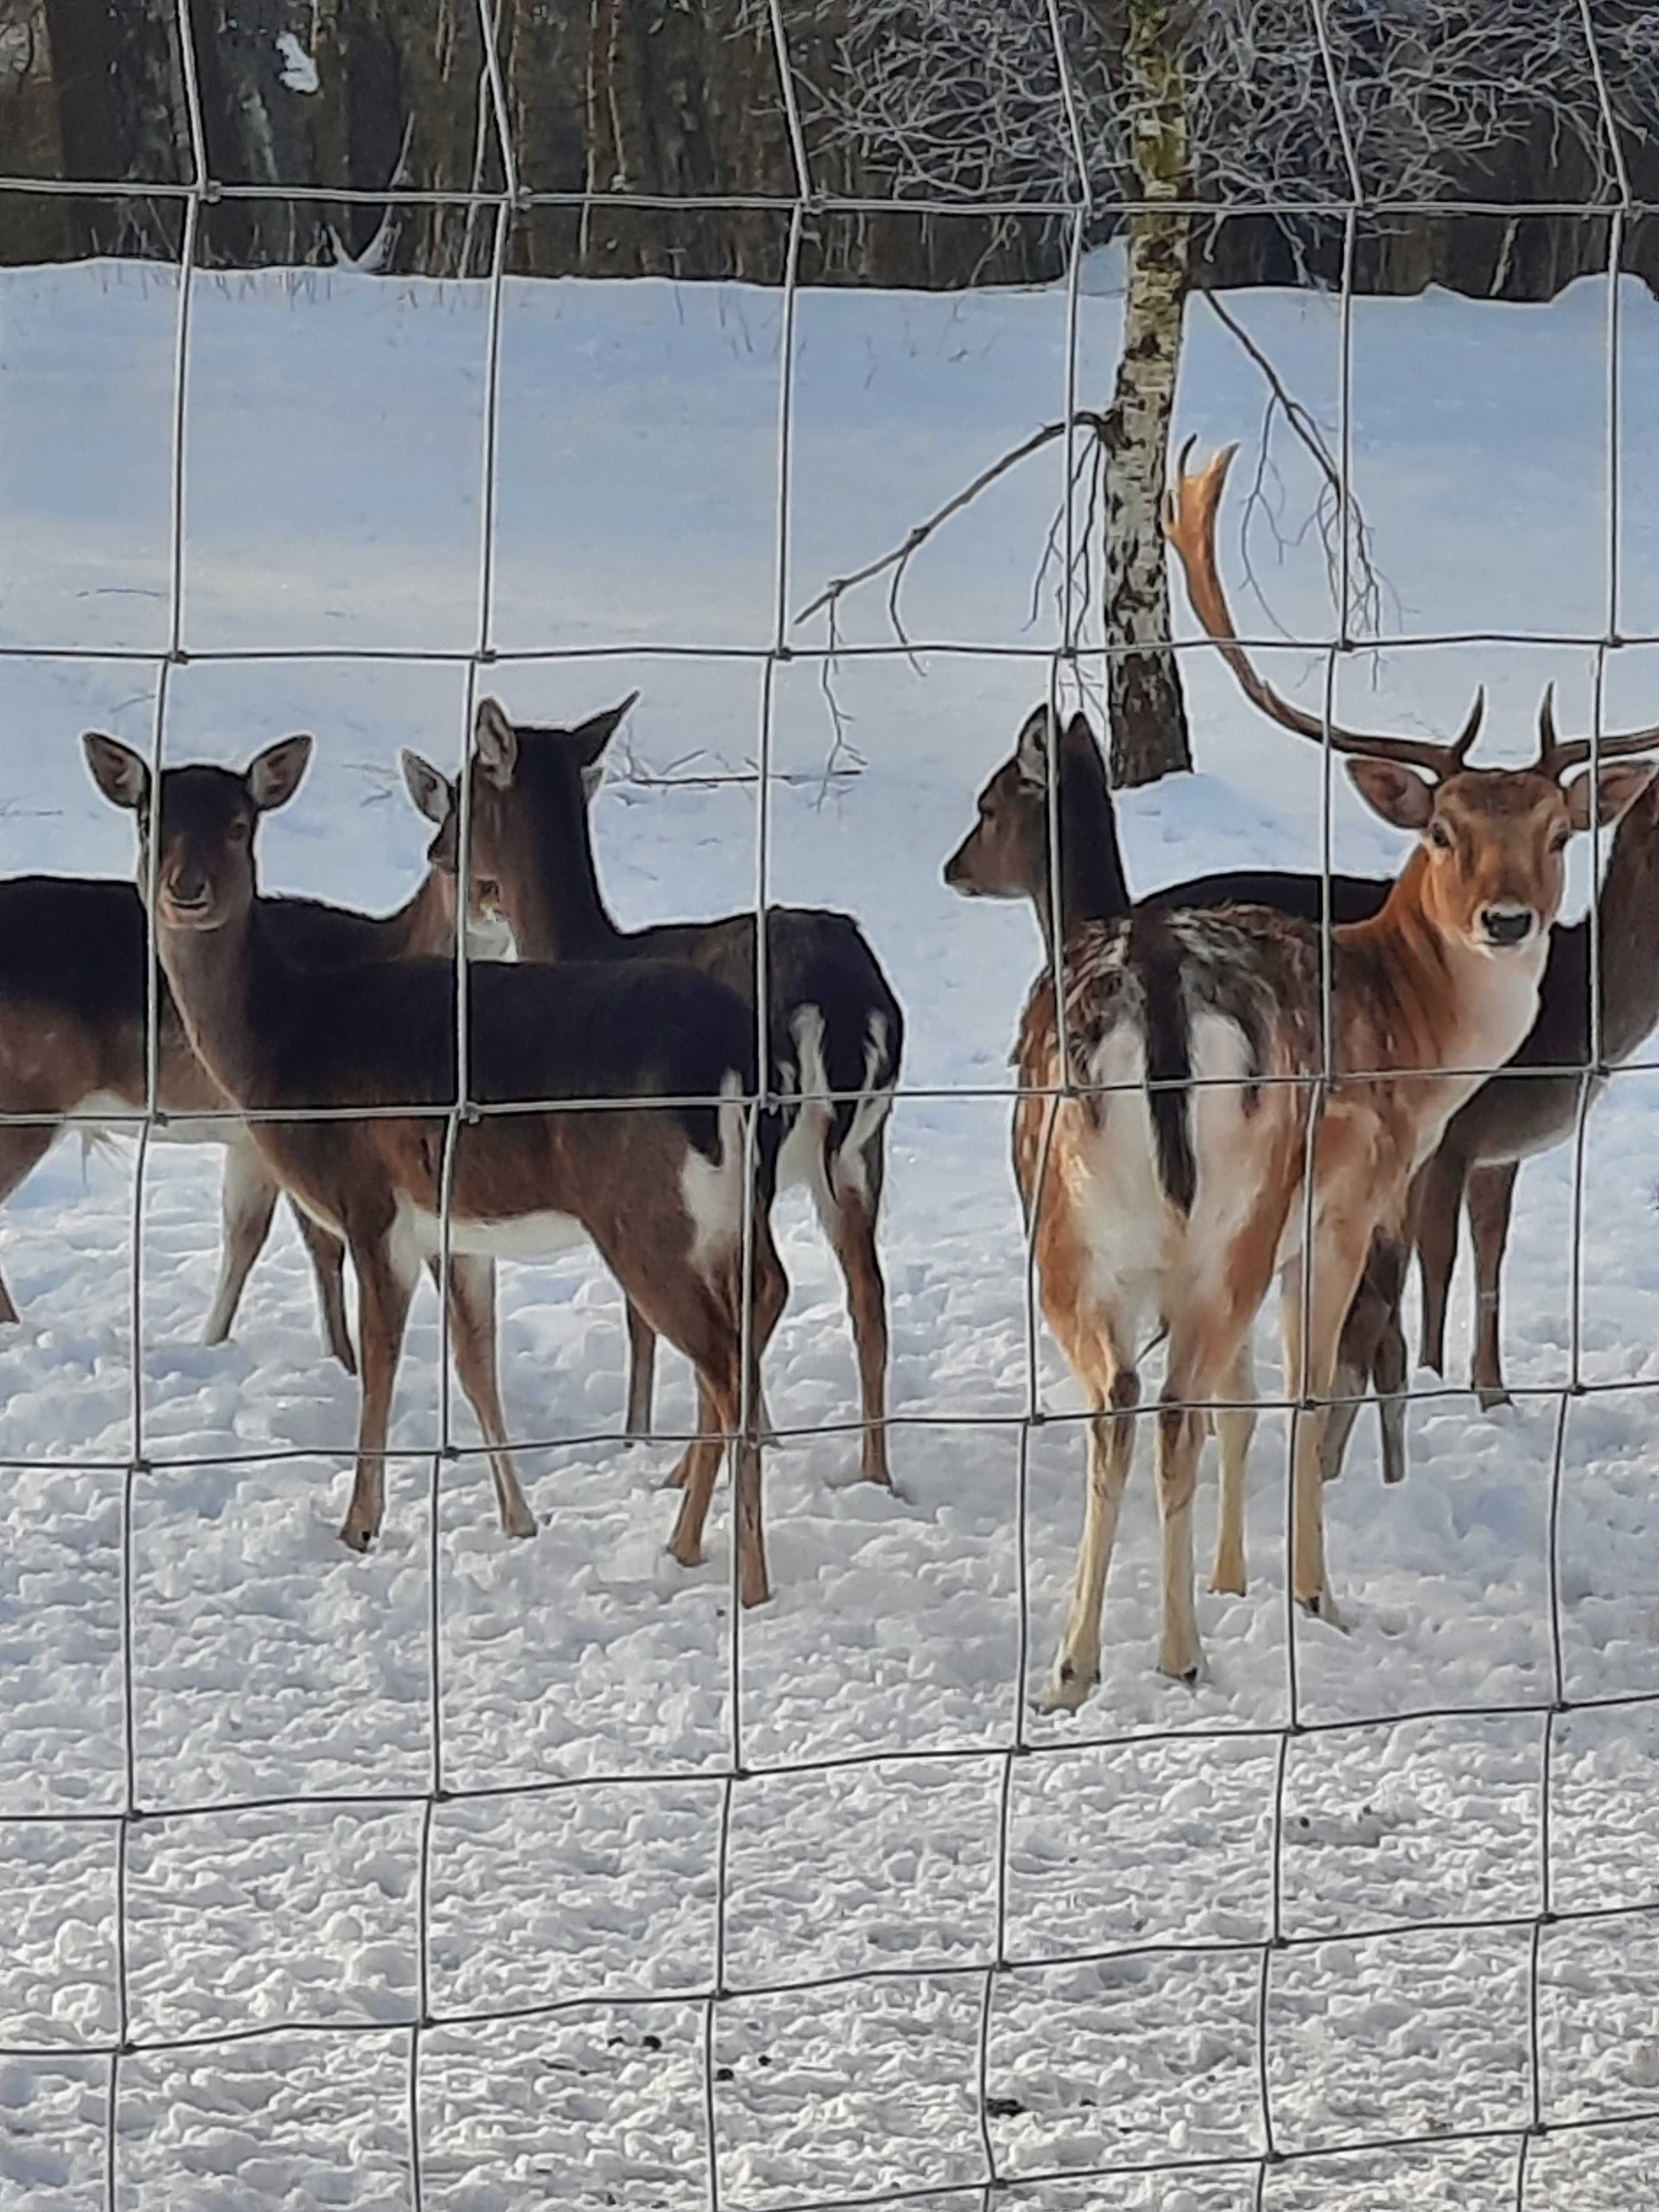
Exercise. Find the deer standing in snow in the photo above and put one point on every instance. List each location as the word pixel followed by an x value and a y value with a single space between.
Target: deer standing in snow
pixel 655 1172
pixel 833 1022
pixel 75 971
pixel 1189 1113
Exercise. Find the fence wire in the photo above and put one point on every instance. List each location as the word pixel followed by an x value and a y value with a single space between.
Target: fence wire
pixel 1005 1753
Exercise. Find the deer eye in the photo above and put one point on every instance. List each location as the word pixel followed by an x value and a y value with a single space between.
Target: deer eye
pixel 487 887
pixel 1440 837
pixel 1562 839
pixel 239 833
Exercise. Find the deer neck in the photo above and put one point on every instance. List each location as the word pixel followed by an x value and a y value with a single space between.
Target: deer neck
pixel 423 926
pixel 1092 884
pixel 566 917
pixel 1435 1002
pixel 221 983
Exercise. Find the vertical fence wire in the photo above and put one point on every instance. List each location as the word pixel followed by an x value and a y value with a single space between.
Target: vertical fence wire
pixel 996 2180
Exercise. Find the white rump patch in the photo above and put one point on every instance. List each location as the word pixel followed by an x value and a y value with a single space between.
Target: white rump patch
pixel 852 1166
pixel 800 1163
pixel 712 1190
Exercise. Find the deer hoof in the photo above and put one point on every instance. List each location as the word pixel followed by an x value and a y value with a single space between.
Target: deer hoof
pixel 1491 1396
pixel 1067 1687
pixel 1322 1606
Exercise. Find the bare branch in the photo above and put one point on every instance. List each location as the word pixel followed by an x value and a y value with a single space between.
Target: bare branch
pixel 1330 515
pixel 898 557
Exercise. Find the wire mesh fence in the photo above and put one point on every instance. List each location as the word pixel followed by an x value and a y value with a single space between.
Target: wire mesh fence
pixel 1262 2166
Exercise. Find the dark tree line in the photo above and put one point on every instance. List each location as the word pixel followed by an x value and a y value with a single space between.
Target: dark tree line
pixel 674 98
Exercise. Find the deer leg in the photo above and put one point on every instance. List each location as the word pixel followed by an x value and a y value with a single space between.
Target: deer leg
pixel 247 1199
pixel 22 1145
pixel 473 1341
pixel 1097 1355
pixel 851 1222
pixel 385 1281
pixel 719 1419
pixel 1490 1195
pixel 1336 1264
pixel 1441 1192
pixel 1372 1354
pixel 1209 1354
pixel 697 1473
pixel 701 1313
pixel 641 1378
pixel 328 1265
pixel 1235 1428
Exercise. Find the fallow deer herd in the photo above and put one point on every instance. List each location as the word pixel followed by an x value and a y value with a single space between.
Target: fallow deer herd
pixel 1229 1083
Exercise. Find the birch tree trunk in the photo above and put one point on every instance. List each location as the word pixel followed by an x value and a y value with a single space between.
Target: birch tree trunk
pixel 1147 715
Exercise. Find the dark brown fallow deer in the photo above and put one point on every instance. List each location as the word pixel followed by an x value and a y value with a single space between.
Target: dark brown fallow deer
pixel 835 1028
pixel 1514 1116
pixel 1169 1129
pixel 74 969
pixel 662 1187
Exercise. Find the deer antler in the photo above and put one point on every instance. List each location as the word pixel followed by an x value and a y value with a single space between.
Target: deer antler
pixel 1189 512
pixel 1556 754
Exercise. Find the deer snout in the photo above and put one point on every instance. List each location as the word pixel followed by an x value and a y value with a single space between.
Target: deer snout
pixel 1505 926
pixel 959 875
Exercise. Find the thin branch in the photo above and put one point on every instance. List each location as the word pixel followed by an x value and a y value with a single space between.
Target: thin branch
pixel 1368 586
pixel 899 557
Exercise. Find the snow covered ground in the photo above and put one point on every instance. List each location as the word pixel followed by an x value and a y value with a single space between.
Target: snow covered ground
pixel 332 504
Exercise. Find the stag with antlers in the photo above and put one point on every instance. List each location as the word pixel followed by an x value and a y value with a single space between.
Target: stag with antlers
pixel 1191 1127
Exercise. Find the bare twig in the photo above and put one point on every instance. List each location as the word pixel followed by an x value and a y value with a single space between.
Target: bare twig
pixel 898 557
pixel 1368 586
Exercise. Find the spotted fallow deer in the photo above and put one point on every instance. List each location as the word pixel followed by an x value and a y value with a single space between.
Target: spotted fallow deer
pixel 74 968
pixel 833 1023
pixel 658 1171
pixel 1176 1132
pixel 1005 855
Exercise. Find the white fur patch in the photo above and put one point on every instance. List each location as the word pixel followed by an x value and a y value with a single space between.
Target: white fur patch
pixel 526 1237
pixel 712 1190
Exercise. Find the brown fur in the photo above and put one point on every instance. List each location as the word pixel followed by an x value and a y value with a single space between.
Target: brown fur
pixel 384 1034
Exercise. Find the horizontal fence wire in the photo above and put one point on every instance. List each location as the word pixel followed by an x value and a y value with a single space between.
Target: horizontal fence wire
pixel 135 1810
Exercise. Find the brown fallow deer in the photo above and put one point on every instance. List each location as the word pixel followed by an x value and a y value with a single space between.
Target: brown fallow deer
pixel 74 964
pixel 1513 1116
pixel 661 1186
pixel 1170 1153
pixel 1005 855
pixel 835 1028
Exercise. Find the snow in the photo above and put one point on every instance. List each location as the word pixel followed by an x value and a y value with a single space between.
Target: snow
pixel 335 433
pixel 299 70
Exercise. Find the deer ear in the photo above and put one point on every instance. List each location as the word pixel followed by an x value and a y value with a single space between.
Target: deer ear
pixel 1617 789
pixel 496 743
pixel 273 776
pixel 1031 748
pixel 119 773
pixel 593 735
pixel 433 793
pixel 1079 731
pixel 1398 794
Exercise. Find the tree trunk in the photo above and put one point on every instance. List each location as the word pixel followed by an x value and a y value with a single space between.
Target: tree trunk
pixel 121 114
pixel 1147 715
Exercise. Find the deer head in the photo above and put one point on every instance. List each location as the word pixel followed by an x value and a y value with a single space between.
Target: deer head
pixel 1490 871
pixel 529 789
pixel 205 873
